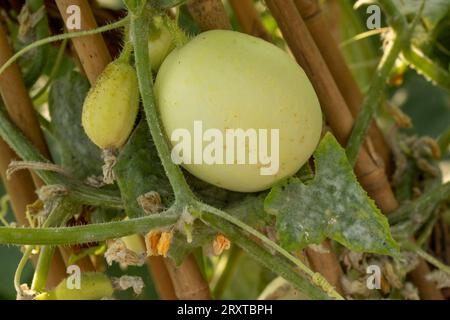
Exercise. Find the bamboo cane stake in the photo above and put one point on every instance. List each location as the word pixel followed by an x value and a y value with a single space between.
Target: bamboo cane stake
pixel 94 57
pixel 326 263
pixel 371 176
pixel 317 26
pixel 209 14
pixel 21 186
pixel 249 19
pixel 190 285
pixel 17 101
pixel 91 50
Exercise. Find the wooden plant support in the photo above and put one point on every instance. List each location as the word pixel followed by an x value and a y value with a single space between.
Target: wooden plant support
pixel 21 186
pixel 249 18
pixel 209 14
pixel 190 284
pixel 94 57
pixel 317 26
pixel 371 176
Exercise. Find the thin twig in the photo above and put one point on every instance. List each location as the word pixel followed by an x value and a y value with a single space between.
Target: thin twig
pixel 372 99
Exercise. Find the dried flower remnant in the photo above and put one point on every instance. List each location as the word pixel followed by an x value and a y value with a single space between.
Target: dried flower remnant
pixel 164 243
pixel 125 282
pixel 150 202
pixel 158 242
pixel 440 278
pixel 110 161
pixel 118 252
pixel 220 244
pixel 354 287
pixel 35 213
pixel 25 293
pixel 410 292
pixel 50 192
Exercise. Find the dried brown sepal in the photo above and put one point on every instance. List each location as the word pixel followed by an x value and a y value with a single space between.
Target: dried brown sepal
pixel 150 202
pixel 118 252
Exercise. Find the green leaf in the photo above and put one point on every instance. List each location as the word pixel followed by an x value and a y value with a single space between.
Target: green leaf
pixel 139 170
pixel 433 12
pixel 250 210
pixel 78 153
pixel 332 205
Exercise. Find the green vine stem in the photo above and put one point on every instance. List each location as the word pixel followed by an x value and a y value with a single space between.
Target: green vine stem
pixel 63 210
pixel 139 34
pixel 61 37
pixel 86 233
pixel 428 257
pixel 42 268
pixel 433 196
pixel 227 274
pixel 427 67
pixel 22 263
pixel 372 99
pixel 27 151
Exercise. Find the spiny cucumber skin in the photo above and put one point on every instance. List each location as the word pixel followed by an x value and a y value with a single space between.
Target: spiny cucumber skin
pixel 111 106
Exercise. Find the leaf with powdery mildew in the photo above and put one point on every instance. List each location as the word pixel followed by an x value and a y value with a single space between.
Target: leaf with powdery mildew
pixel 332 205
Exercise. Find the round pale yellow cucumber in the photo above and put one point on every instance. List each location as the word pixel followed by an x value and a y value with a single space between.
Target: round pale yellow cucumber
pixel 111 106
pixel 229 80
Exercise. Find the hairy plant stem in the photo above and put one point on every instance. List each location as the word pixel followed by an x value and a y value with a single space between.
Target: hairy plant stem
pixel 227 274
pixel 86 233
pixel 28 152
pixel 139 32
pixel 431 198
pixel 426 256
pixel 64 209
pixel 22 263
pixel 184 197
pixel 372 99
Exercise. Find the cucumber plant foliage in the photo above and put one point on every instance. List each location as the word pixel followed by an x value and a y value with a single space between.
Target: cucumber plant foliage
pixel 332 205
